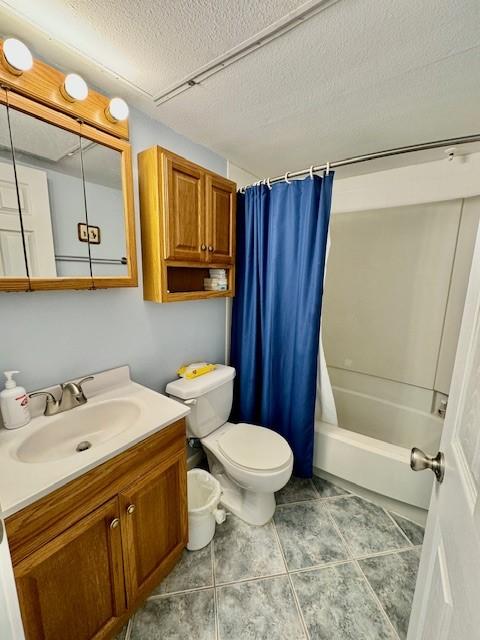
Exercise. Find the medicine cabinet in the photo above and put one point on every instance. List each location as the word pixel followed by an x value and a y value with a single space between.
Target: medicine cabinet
pixel 66 197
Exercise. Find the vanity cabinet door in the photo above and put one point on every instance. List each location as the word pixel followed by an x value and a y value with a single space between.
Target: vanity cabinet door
pixel 184 210
pixel 221 205
pixel 73 587
pixel 154 522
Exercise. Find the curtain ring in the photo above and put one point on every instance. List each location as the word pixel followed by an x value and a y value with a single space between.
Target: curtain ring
pixel 268 184
pixel 311 172
pixel 327 170
pixel 285 177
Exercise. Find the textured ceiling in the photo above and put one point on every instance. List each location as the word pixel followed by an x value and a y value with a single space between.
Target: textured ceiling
pixel 362 75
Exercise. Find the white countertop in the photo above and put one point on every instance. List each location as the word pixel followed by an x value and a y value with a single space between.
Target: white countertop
pixel 22 483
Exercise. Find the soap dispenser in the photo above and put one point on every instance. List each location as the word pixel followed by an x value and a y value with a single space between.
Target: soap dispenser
pixel 14 403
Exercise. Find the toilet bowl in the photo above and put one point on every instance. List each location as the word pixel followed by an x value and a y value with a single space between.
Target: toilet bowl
pixel 249 461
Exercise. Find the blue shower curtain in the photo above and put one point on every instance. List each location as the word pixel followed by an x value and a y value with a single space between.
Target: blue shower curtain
pixel 281 246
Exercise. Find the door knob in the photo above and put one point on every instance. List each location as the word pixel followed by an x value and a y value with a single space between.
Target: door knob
pixel 203 247
pixel 114 523
pixel 419 461
pixel 130 509
pixel 210 247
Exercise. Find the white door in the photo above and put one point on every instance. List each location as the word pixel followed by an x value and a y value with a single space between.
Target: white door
pixel 37 223
pixel 447 597
pixel 12 257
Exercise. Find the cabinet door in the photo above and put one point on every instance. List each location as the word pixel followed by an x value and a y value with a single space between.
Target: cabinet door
pixel 154 522
pixel 73 587
pixel 221 207
pixel 184 211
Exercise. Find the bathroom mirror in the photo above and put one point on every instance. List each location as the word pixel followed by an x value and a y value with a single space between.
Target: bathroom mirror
pixel 48 163
pixel 102 171
pixel 12 255
pixel 73 186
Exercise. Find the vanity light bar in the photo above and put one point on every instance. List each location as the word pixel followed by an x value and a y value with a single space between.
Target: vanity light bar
pixel 117 110
pixel 74 88
pixel 17 58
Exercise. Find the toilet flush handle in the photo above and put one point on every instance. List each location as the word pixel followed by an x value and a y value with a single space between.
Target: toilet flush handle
pixel 191 402
pixel 220 515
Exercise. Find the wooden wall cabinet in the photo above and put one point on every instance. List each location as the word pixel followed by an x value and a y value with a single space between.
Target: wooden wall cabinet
pixel 188 226
pixel 87 555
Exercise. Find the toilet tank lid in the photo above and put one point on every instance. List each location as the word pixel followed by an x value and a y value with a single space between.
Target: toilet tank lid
pixel 186 389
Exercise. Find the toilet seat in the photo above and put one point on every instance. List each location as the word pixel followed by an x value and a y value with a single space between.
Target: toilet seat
pixel 255 448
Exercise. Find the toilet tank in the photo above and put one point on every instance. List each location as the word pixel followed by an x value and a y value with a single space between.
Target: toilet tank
pixel 209 397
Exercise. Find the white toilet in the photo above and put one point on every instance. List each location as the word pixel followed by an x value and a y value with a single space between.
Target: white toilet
pixel 250 462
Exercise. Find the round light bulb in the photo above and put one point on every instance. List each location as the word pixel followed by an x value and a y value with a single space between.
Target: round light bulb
pixel 74 88
pixel 117 110
pixel 17 56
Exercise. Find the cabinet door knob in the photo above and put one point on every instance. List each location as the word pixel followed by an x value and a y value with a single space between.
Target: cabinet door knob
pixel 203 247
pixel 210 248
pixel 130 509
pixel 114 523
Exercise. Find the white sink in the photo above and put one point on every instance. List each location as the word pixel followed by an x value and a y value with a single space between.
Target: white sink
pixel 45 454
pixel 78 430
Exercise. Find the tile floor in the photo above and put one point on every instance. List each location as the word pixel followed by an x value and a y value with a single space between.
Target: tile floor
pixel 331 565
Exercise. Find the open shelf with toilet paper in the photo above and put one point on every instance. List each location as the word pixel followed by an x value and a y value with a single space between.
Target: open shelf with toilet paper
pixel 191 282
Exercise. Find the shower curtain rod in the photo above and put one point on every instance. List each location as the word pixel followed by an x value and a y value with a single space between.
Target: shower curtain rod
pixel 449 142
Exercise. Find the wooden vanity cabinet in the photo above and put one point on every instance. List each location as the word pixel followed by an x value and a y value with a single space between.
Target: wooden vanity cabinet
pixel 188 217
pixel 88 554
pixel 73 586
pixel 153 527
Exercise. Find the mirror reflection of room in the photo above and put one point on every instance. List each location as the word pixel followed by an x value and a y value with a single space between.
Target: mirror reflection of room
pixel 49 172
pixel 12 254
pixel 102 167
pixel 70 193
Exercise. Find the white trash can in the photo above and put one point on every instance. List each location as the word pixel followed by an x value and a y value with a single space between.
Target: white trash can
pixel 203 512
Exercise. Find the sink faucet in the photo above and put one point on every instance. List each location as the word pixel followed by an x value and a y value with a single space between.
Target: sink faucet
pixel 72 396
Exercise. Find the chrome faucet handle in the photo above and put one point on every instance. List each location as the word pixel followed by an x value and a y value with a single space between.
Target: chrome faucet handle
pixel 72 394
pixel 75 388
pixel 51 404
pixel 87 379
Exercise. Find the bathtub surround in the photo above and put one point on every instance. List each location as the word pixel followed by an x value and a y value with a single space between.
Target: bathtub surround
pixel 375 322
pixel 247 584
pixel 52 336
pixel 281 245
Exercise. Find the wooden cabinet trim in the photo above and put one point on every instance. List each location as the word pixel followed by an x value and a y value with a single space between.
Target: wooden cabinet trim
pixel 48 517
pixel 14 284
pixel 151 214
pixel 42 83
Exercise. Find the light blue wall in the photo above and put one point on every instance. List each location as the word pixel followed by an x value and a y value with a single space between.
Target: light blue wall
pixel 54 336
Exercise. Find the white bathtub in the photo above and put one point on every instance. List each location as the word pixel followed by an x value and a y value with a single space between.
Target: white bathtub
pixel 372 447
